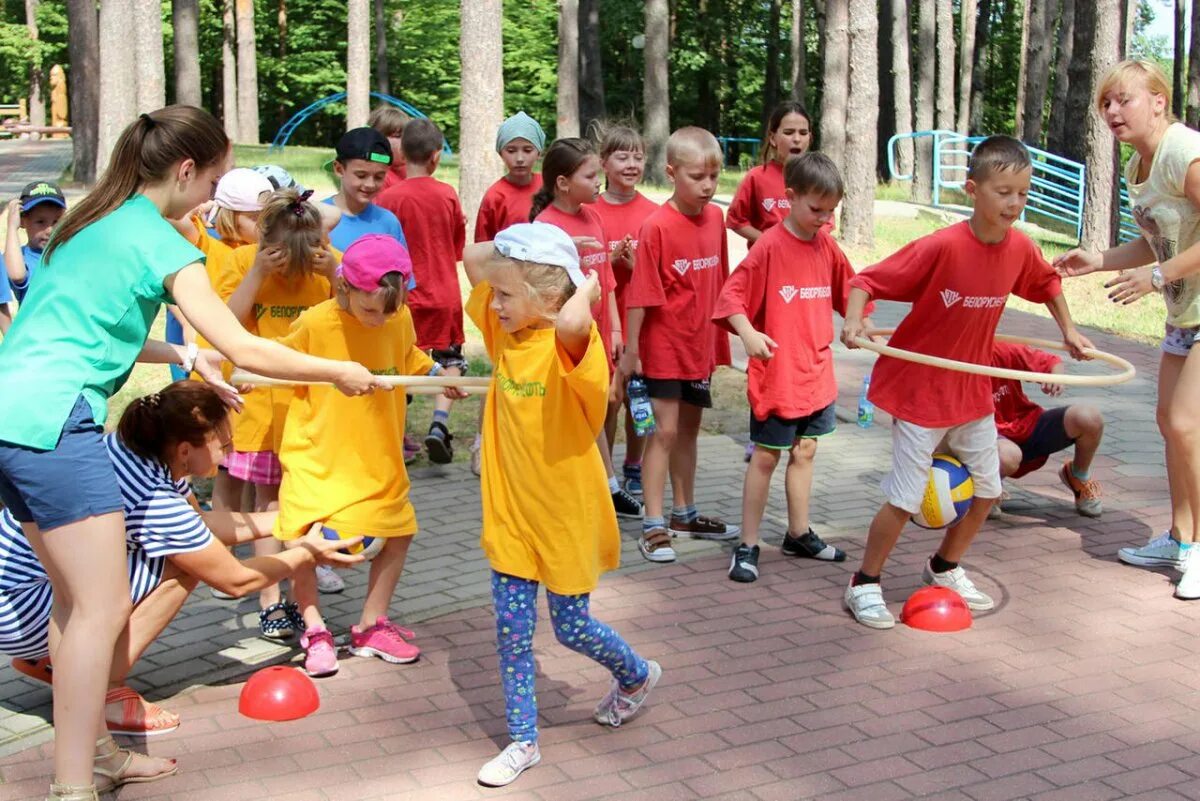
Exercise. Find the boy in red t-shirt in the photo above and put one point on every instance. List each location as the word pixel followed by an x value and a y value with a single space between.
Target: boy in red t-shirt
pixel 957 281
pixel 1029 434
pixel 433 223
pixel 780 301
pixel 681 264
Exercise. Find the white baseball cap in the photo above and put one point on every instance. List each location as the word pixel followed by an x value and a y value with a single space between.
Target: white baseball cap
pixel 241 189
pixel 540 243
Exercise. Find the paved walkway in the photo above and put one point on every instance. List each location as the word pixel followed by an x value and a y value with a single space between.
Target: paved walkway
pixel 1080 685
pixel 26 160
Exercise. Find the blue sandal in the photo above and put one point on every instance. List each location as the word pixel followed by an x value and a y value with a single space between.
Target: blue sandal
pixel 280 621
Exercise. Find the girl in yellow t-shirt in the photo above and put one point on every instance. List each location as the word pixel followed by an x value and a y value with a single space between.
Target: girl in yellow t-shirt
pixel 547 516
pixel 287 272
pixel 343 463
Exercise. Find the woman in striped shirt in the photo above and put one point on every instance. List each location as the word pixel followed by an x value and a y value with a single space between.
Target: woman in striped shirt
pixel 171 545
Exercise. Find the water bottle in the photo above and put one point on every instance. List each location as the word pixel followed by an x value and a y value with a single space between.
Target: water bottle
pixel 639 407
pixel 866 409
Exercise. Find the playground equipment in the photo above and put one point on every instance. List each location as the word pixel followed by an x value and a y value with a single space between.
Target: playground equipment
pixel 285 132
pixel 1055 194
pixel 733 147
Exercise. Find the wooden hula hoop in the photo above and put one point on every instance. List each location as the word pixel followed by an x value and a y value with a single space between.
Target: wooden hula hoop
pixel 1127 369
pixel 412 384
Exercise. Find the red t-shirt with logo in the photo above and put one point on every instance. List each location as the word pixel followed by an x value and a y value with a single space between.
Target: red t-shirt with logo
pixel 957 286
pixel 504 204
pixel 436 231
pixel 621 220
pixel 681 264
pixel 587 223
pixel 761 199
pixel 1016 414
pixel 789 289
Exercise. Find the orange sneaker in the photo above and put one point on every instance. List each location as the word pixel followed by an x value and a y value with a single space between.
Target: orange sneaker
pixel 1087 493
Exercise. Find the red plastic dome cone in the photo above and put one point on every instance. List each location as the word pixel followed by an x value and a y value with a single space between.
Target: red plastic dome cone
pixel 936 609
pixel 278 693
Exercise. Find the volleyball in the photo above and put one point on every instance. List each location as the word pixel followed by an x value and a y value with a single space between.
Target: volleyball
pixel 369 548
pixel 948 493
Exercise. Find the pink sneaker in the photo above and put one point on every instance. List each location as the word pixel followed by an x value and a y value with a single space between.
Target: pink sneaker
pixel 320 654
pixel 385 640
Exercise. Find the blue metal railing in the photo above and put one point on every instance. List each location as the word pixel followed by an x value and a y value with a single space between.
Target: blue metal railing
pixel 288 128
pixel 1056 190
pixel 730 147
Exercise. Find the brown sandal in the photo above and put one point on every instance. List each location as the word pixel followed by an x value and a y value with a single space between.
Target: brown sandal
pixel 107 749
pixel 72 792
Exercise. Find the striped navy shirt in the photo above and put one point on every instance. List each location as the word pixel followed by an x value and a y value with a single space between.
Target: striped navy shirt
pixel 159 522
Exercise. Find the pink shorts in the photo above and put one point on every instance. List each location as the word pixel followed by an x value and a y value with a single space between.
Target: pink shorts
pixel 257 467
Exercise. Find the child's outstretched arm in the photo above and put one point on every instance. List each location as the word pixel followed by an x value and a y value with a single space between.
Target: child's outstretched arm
pixel 854 326
pixel 14 260
pixel 474 258
pixel 1075 341
pixel 574 324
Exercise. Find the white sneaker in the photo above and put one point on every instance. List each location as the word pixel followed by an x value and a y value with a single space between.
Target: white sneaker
pixel 957 580
pixel 1160 551
pixel 1188 588
pixel 509 764
pixel 617 707
pixel 865 602
pixel 328 581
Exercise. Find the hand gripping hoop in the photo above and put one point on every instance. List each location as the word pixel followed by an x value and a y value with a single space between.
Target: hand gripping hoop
pixel 1126 373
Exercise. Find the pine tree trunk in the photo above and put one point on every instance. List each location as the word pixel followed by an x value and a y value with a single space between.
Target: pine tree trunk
pixel 771 79
pixel 983 25
pixel 229 89
pixel 148 55
pixel 946 117
pixel 481 104
pixel 358 63
pixel 1193 90
pixel 568 69
pixel 836 82
pixel 966 62
pixel 118 78
pixel 926 60
pixel 1037 74
pixel 37 78
pixel 799 91
pixel 591 71
pixel 1098 187
pixel 1023 72
pixel 1177 72
pixel 862 111
pixel 902 80
pixel 1079 84
pixel 1056 129
pixel 83 38
pixel 185 19
pixel 247 72
pixel 383 78
pixel 656 91
pixel 1129 11
pixel 708 74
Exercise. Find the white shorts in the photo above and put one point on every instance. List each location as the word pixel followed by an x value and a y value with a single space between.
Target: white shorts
pixel 913 446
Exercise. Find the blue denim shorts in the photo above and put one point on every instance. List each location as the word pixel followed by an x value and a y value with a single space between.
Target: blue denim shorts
pixel 74 481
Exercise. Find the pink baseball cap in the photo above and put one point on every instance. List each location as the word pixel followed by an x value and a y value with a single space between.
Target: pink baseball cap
pixel 373 256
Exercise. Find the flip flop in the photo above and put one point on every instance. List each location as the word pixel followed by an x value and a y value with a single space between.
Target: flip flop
pixel 36 669
pixel 139 717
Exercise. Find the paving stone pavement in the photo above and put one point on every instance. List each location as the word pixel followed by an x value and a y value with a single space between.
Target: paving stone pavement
pixel 1080 685
pixel 26 161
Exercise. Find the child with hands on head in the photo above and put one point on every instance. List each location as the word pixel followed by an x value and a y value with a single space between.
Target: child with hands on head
pixel 544 517
pixel 780 301
pixel 343 458
pixel 571 184
pixel 622 210
pixel 958 281
pixel 38 209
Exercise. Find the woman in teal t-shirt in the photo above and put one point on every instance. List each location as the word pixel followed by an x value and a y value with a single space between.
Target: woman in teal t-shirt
pixel 111 264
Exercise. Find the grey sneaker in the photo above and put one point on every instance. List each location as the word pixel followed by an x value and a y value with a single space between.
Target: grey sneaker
pixel 328 581
pixel 865 602
pixel 509 764
pixel 958 581
pixel 617 707
pixel 1160 551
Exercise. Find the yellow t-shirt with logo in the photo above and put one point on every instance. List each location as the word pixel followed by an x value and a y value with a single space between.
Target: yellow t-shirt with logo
pixel 342 457
pixel 259 426
pixel 224 272
pixel 547 512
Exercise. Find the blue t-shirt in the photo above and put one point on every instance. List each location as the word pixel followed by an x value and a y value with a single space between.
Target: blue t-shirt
pixel 373 220
pixel 33 260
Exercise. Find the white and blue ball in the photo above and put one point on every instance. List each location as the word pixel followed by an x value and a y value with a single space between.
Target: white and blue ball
pixel 369 548
pixel 948 493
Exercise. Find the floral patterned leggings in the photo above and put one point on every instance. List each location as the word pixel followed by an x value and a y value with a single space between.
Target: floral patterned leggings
pixel 515 600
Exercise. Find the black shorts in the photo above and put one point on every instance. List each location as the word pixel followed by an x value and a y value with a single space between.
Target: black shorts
pixel 1049 437
pixel 697 393
pixel 780 433
pixel 450 357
